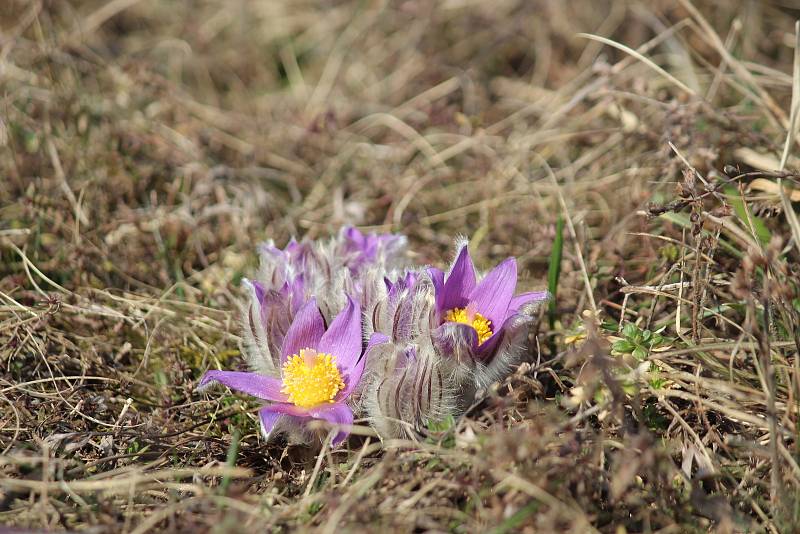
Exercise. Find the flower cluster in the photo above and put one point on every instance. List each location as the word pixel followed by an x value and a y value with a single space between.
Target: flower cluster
pixel 342 328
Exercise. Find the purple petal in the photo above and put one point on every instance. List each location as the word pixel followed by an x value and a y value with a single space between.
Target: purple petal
pixel 305 331
pixel 296 251
pixel 514 331
pixel 285 408
pixel 257 287
pixel 459 284
pixel 486 349
pixel 437 279
pixel 492 295
pixel 354 235
pixel 263 387
pixel 407 281
pixel 410 279
pixel 360 248
pixel 336 413
pixel 370 247
pixel 526 298
pixel 297 292
pixel 268 420
pixel 343 338
pixel 298 254
pixel 456 340
pixel 404 283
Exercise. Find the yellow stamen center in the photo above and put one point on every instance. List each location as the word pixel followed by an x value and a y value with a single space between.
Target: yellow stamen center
pixel 311 378
pixel 482 325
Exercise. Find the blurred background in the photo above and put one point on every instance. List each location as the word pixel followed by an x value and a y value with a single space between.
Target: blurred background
pixel 147 146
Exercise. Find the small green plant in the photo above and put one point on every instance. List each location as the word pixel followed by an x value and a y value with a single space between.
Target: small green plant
pixel 441 431
pixel 653 418
pixel 442 425
pixel 639 343
pixel 656 380
pixel 133 447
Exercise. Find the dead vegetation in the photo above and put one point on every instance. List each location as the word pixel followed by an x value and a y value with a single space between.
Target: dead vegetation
pixel 146 147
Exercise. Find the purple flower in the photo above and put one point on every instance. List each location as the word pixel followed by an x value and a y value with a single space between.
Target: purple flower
pixel 473 314
pixel 281 266
pixel 403 283
pixel 360 250
pixel 351 249
pixel 435 339
pixel 326 269
pixel 319 370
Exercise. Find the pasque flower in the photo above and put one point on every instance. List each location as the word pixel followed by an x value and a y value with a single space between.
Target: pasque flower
pixel 474 314
pixel 443 337
pixel 350 251
pixel 435 338
pixel 361 250
pixel 319 371
pixel 327 270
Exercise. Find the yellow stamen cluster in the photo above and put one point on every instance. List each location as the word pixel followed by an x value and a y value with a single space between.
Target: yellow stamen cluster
pixel 482 325
pixel 310 378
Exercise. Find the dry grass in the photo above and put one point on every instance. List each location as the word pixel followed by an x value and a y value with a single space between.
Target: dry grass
pixel 147 146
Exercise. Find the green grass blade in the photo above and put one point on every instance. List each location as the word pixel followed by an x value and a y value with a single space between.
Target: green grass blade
pixel 759 226
pixel 554 269
pixel 230 459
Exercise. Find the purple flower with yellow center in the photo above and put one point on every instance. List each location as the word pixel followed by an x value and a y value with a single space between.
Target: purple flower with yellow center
pixel 319 370
pixel 473 314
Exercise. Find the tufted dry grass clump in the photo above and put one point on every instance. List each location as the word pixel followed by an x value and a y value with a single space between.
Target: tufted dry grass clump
pixel 641 153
